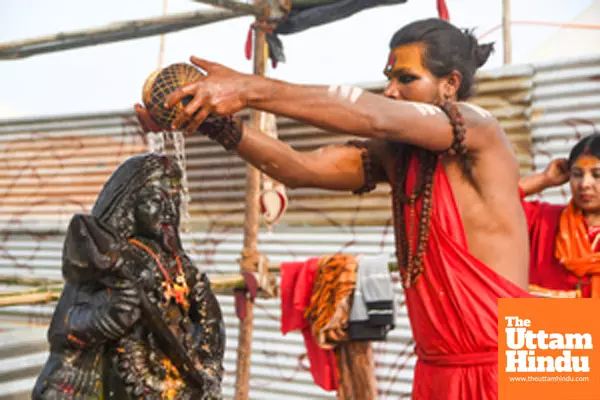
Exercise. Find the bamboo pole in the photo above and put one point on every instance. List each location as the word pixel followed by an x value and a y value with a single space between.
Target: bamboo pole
pixel 217 282
pixel 235 6
pixel 114 32
pixel 31 296
pixel 251 221
pixel 49 290
pixel 29 281
pixel 506 31
pixel 224 284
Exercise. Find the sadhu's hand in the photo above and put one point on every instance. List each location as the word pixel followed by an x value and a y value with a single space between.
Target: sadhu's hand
pixel 557 172
pixel 146 121
pixel 220 92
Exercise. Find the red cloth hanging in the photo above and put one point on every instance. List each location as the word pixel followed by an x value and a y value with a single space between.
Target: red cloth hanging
pixel 296 286
pixel 249 42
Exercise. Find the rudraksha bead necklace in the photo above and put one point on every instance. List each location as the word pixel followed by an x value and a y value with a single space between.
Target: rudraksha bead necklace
pixel 411 261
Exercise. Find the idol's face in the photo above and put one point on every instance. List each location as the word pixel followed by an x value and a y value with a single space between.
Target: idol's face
pixel 157 207
pixel 585 183
pixel 410 80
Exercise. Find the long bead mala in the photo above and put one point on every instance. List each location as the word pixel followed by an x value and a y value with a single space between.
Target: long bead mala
pixel 410 255
pixel 411 261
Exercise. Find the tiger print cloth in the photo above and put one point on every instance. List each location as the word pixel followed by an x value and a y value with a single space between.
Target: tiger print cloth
pixel 329 315
pixel 329 309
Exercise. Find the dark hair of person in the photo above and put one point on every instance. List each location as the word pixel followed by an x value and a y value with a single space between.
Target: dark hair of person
pixel 447 48
pixel 588 145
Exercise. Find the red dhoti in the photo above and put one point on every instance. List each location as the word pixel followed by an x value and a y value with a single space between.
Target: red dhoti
pixel 453 308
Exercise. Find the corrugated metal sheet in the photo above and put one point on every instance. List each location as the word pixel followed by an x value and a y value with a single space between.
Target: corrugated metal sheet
pixel 22 352
pixel 566 107
pixel 54 167
pixel 506 93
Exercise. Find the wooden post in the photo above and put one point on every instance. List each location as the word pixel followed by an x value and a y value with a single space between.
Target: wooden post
pixel 506 31
pixel 253 7
pixel 251 222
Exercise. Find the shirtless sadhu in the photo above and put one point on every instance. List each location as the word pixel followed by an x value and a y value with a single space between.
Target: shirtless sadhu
pixel 461 234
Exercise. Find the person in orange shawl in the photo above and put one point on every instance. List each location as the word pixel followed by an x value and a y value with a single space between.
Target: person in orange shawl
pixel 461 233
pixel 565 239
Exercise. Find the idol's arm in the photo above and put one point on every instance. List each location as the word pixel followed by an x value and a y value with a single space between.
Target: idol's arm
pixel 105 314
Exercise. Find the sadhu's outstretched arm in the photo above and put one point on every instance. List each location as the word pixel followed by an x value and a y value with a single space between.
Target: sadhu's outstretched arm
pixel 331 167
pixel 348 110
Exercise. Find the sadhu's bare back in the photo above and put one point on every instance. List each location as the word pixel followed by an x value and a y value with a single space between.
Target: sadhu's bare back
pixel 490 207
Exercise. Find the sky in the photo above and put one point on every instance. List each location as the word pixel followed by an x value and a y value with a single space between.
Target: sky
pixel 109 77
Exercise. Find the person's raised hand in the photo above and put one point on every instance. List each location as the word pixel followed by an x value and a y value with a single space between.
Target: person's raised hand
pixel 557 172
pixel 148 124
pixel 222 91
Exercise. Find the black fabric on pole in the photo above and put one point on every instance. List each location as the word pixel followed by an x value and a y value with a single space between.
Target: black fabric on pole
pixel 303 17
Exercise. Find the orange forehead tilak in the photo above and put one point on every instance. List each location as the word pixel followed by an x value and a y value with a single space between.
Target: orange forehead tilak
pixel 587 161
pixel 407 57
